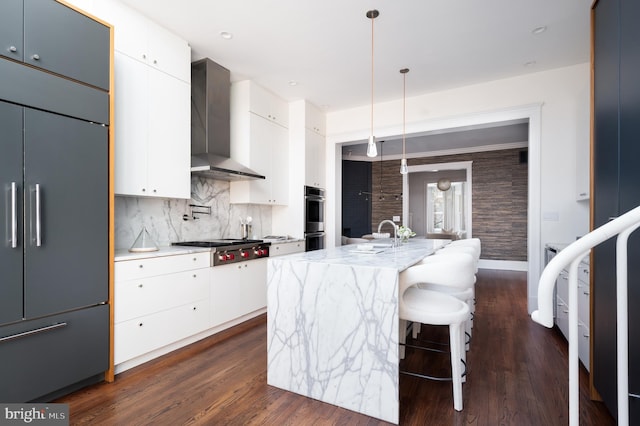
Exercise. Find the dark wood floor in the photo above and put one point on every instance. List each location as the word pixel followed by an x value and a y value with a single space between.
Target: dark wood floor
pixel 517 375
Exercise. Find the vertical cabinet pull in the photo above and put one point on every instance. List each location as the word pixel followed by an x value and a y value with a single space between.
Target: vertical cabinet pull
pixel 38 217
pixel 14 216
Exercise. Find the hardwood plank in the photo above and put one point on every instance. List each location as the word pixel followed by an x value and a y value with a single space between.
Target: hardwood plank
pixel 517 375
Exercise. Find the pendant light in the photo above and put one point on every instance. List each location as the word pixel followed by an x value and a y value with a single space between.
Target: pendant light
pixel 371 145
pixel 403 163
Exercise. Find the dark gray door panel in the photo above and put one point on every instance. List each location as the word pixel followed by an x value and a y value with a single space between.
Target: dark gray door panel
pixel 66 42
pixel 68 159
pixel 11 32
pixel 10 211
pixel 75 346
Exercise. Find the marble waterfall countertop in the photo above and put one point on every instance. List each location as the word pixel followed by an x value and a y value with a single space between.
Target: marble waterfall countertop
pixel 333 327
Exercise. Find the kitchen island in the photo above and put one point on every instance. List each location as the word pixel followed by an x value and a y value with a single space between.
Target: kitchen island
pixel 333 327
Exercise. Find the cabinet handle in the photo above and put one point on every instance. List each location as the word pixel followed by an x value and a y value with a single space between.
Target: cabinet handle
pixel 194 276
pixel 32 332
pixel 140 286
pixel 38 217
pixel 155 62
pixel 144 190
pixel 195 258
pixel 140 324
pixel 12 49
pixel 195 308
pixel 140 266
pixel 586 293
pixel 36 57
pixel 144 56
pixel 14 216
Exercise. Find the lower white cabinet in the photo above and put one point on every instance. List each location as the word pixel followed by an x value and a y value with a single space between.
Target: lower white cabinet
pixel 159 301
pixel 562 308
pixel 237 290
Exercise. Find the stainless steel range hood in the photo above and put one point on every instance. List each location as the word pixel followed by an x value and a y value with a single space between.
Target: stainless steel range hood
pixel 210 128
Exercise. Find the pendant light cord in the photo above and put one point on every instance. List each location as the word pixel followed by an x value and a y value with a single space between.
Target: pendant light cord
pixel 404 108
pixel 372 62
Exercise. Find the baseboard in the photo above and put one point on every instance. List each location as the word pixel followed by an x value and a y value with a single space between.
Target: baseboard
pixel 505 265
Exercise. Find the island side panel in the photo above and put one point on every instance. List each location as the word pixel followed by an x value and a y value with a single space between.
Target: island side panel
pixel 333 334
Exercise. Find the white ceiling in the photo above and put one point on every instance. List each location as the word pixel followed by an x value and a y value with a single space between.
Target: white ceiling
pixel 326 45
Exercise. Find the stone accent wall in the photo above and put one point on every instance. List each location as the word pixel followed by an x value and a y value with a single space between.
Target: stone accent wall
pixel 500 188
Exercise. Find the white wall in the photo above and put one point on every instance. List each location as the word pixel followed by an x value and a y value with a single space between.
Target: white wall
pixel 563 127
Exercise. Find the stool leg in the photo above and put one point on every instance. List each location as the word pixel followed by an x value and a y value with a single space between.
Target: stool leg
pixel 455 330
pixel 415 328
pixel 403 338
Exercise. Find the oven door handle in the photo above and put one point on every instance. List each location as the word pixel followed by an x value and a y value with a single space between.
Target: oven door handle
pixel 313 234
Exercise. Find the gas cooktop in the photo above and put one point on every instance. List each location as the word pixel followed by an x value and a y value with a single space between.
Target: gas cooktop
pixel 225 242
pixel 231 250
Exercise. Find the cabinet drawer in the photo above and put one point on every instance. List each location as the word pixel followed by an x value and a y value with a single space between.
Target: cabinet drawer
pixel 583 303
pixel 583 273
pixel 141 335
pixel 562 286
pixel 57 356
pixel 144 296
pixel 583 344
pixel 142 268
pixel 286 248
pixel 562 317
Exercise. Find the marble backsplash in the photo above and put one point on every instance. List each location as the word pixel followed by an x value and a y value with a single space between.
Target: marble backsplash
pixel 163 217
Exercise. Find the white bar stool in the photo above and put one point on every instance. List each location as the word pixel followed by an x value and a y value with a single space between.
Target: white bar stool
pixel 460 284
pixel 434 308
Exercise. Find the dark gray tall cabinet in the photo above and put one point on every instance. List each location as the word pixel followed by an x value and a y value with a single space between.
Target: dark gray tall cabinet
pixel 55 200
pixel 616 186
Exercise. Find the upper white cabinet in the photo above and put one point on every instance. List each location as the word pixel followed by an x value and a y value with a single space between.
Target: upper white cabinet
pixel 315 120
pixel 152 106
pixel 260 141
pixel 315 129
pixel 260 102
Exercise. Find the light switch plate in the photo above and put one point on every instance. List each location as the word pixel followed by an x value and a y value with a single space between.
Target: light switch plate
pixel 396 218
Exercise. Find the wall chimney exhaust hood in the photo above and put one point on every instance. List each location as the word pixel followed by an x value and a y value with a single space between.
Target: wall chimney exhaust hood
pixel 210 124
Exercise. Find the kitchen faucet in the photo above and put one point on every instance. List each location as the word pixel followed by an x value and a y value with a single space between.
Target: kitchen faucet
pixel 395 230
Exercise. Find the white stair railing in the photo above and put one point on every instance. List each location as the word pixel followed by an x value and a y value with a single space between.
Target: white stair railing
pixel 622 226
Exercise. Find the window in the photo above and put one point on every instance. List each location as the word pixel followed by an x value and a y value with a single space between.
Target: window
pixel 445 209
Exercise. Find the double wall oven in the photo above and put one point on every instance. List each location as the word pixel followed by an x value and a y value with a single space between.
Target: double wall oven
pixel 313 218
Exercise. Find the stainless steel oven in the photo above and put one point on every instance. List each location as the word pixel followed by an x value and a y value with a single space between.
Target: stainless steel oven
pixel 313 218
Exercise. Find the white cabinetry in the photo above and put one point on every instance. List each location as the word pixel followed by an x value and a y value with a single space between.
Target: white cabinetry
pixel 281 249
pixel 562 308
pixel 315 130
pixel 159 301
pixel 152 106
pixel 259 140
pixel 238 290
pixel 583 181
pixel 314 159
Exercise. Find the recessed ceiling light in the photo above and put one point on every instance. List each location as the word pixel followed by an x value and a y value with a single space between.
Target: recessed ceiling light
pixel 226 35
pixel 293 83
pixel 539 30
